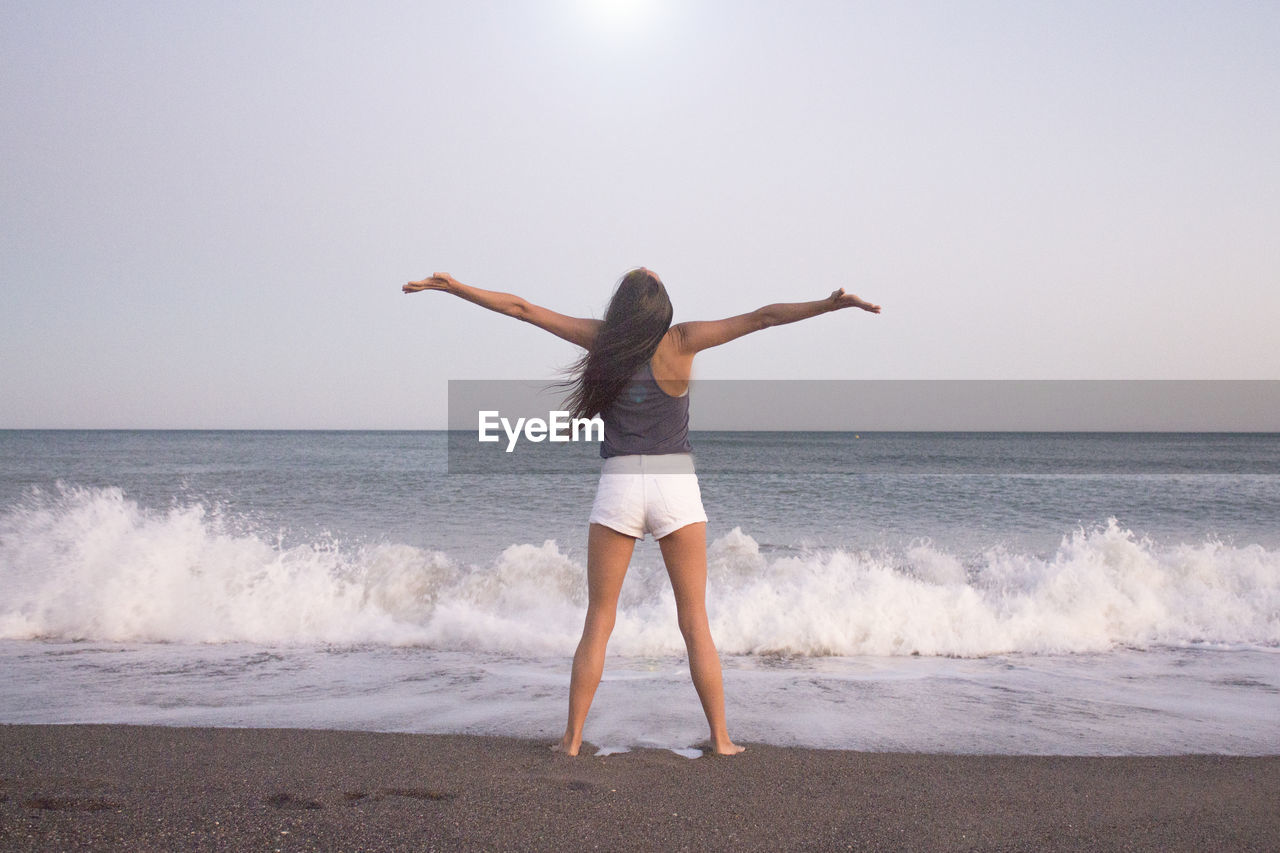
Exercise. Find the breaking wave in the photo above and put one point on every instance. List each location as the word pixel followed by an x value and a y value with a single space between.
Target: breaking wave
pixel 93 564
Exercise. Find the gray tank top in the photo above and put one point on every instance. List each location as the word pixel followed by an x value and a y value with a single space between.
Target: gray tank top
pixel 645 419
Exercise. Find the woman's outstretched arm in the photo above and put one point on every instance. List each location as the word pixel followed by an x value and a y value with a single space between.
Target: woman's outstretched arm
pixel 699 335
pixel 576 330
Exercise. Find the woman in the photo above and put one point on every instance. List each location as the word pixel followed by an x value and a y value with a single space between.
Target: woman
pixel 635 375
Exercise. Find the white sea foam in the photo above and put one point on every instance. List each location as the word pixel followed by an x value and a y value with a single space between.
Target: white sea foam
pixel 92 564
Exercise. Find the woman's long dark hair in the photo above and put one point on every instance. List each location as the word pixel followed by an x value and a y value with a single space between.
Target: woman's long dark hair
pixel 639 314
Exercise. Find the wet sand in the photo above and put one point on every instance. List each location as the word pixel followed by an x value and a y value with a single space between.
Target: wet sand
pixel 158 788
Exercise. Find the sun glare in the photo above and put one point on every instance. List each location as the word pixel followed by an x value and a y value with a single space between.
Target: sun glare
pixel 619 15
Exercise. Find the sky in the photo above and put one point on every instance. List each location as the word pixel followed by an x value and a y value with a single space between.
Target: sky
pixel 209 208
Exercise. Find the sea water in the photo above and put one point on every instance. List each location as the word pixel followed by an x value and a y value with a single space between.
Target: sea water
pixel 1085 593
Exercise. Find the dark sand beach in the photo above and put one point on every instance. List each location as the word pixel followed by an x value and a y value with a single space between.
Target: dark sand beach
pixel 159 788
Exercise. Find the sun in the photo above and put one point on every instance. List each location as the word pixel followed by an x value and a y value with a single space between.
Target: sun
pixel 619 15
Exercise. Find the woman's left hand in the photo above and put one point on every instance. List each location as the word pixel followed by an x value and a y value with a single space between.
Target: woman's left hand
pixel 848 300
pixel 436 281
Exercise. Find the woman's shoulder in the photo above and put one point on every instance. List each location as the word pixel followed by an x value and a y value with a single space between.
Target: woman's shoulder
pixel 669 352
pixel 671 366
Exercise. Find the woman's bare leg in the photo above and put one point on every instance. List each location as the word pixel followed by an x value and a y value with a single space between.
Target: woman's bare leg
pixel 685 553
pixel 608 555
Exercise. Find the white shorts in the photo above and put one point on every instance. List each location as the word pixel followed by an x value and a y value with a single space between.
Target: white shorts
pixel 641 494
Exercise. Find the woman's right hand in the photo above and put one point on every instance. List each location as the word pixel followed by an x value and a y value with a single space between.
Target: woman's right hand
pixel 848 300
pixel 436 281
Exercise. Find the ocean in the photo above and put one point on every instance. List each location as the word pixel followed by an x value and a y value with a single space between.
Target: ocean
pixel 1020 593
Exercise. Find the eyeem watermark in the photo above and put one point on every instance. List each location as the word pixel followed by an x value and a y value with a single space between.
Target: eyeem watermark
pixel 557 427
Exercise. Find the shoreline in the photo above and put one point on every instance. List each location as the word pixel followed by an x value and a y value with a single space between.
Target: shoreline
pixel 118 787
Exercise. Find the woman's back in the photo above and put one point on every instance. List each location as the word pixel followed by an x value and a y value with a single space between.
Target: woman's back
pixel 644 418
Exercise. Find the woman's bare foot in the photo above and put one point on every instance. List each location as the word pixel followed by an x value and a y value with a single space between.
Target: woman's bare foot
pixel 724 747
pixel 567 746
